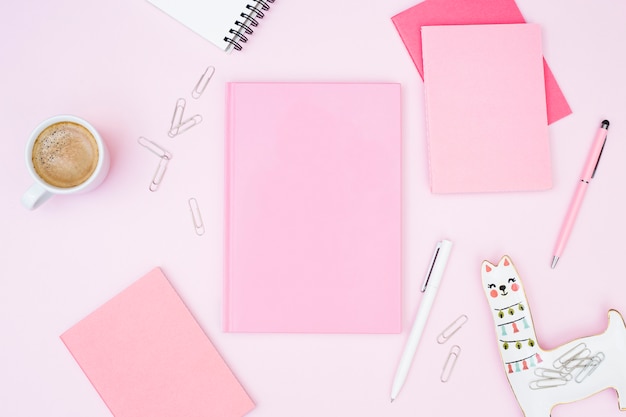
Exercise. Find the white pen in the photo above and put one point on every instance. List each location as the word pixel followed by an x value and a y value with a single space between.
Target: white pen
pixel 429 288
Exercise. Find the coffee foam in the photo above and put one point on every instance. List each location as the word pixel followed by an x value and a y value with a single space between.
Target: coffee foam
pixel 65 154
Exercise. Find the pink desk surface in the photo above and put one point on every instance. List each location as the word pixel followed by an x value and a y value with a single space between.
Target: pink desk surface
pixel 123 64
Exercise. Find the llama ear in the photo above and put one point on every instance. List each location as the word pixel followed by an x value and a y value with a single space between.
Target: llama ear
pixel 505 260
pixel 487 266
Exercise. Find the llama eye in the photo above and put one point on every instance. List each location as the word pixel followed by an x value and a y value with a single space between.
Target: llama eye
pixel 512 280
pixel 491 286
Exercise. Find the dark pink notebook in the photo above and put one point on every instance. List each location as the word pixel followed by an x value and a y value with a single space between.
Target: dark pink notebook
pixel 470 12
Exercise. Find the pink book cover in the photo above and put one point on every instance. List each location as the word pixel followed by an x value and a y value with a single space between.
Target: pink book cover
pixel 313 208
pixel 485 108
pixel 147 357
pixel 468 12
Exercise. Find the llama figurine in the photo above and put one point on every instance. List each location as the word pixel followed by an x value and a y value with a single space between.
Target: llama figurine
pixel 541 378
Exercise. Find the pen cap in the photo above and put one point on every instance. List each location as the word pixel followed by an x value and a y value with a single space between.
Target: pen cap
pixel 437 264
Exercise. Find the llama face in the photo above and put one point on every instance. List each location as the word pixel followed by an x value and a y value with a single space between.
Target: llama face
pixel 501 283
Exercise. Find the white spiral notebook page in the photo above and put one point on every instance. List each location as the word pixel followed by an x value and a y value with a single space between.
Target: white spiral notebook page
pixel 227 24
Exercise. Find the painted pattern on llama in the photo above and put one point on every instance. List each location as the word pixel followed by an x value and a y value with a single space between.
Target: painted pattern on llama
pixel 542 378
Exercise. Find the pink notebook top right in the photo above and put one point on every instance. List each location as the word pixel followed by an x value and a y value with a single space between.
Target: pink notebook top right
pixel 471 12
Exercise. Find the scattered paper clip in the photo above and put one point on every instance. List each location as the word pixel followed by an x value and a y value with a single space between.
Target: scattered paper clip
pixel 590 367
pixel 451 329
pixel 177 117
pixel 552 374
pixel 577 357
pixel 203 82
pixel 569 356
pixel 547 383
pixel 196 216
pixel 158 174
pixel 178 125
pixel 153 147
pixel 455 351
pixel 184 126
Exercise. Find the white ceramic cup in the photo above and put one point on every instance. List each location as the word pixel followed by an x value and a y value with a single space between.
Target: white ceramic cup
pixel 41 191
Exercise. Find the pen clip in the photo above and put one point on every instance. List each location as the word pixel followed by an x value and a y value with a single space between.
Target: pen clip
pixel 605 126
pixel 431 267
pixel 599 156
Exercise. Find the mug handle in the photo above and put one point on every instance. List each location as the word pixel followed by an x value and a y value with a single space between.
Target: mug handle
pixel 35 196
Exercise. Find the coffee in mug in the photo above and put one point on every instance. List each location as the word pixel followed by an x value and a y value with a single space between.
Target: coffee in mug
pixel 64 155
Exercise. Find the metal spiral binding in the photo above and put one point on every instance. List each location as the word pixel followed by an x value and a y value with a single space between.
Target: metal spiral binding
pixel 253 12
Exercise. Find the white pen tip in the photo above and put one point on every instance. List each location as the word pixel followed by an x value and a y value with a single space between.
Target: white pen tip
pixel 392 399
pixel 555 259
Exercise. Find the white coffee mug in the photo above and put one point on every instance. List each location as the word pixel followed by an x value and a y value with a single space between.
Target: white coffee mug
pixel 62 149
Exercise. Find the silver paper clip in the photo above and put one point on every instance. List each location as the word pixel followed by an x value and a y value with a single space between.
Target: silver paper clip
pixel 451 329
pixel 196 216
pixel 153 147
pixel 455 351
pixel 177 117
pixel 184 126
pixel 552 374
pixel 547 383
pixel 570 355
pixel 578 362
pixel 178 125
pixel 203 82
pixel 158 174
pixel 590 367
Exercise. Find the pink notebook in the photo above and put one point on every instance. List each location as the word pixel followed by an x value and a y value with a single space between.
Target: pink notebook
pixel 486 108
pixel 147 357
pixel 313 208
pixel 468 12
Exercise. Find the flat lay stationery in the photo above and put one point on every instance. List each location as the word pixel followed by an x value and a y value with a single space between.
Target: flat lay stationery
pixel 229 208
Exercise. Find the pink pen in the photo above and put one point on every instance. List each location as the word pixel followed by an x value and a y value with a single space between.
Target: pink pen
pixel 589 170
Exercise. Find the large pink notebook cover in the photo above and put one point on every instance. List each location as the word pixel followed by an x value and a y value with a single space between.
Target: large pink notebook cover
pixel 468 12
pixel 147 357
pixel 486 108
pixel 313 208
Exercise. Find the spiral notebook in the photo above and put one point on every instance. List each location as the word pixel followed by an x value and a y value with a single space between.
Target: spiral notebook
pixel 225 23
pixel 313 208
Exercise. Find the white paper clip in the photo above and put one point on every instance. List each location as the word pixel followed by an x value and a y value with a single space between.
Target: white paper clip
pixel 455 351
pixel 451 329
pixel 158 174
pixel 203 82
pixel 196 216
pixel 154 148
